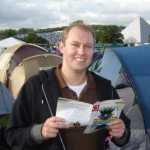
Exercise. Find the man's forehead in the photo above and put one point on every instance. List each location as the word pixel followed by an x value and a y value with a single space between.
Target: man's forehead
pixel 83 42
pixel 81 29
pixel 76 34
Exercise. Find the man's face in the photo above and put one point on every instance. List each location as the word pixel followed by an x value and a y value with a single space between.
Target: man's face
pixel 77 49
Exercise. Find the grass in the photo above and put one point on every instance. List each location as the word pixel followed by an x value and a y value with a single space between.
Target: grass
pixel 4 119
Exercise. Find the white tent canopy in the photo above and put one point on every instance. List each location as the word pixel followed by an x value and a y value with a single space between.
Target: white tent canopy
pixel 137 31
pixel 9 42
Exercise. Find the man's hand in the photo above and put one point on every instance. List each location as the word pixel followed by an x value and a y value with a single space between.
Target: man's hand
pixel 117 128
pixel 52 125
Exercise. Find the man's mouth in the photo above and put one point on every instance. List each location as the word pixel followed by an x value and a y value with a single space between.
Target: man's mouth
pixel 79 59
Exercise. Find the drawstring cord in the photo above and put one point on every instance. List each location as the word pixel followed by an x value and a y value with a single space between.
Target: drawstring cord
pixel 51 113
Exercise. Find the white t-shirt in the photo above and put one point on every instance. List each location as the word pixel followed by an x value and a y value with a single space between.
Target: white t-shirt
pixel 77 88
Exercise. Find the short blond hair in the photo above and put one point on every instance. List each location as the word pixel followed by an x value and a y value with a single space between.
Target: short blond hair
pixel 79 24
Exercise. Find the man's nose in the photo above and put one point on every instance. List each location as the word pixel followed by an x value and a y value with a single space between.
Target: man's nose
pixel 81 50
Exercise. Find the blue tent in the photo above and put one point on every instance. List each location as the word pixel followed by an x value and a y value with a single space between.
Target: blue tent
pixel 136 62
pixel 5 100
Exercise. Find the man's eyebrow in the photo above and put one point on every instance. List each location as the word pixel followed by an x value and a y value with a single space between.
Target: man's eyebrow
pixel 75 42
pixel 89 43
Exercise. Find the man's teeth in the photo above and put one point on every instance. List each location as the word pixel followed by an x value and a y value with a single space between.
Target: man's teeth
pixel 80 59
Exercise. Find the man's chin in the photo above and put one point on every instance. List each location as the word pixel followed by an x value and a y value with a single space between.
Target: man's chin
pixel 80 69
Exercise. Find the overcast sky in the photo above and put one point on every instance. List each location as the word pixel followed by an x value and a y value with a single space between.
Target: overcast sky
pixel 53 13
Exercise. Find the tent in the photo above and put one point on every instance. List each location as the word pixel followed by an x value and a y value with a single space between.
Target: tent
pixel 9 42
pixel 136 61
pixel 14 51
pixel 137 31
pixel 29 67
pixel 20 60
pixel 5 100
pixel 128 70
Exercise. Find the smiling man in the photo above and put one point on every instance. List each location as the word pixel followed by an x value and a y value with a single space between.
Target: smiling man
pixel 34 125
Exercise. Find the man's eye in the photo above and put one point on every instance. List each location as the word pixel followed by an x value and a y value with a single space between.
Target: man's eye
pixel 75 45
pixel 89 46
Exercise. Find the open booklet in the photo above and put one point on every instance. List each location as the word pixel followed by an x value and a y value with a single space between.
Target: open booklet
pixel 74 111
pixel 93 116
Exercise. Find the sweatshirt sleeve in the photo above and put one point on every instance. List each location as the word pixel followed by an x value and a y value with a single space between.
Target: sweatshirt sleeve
pixel 36 133
pixel 125 138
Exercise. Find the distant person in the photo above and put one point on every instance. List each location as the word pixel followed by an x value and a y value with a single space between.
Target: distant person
pixel 34 125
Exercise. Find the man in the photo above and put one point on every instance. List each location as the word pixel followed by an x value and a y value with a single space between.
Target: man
pixel 34 124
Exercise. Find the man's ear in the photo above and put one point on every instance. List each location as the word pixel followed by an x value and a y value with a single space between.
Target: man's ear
pixel 61 47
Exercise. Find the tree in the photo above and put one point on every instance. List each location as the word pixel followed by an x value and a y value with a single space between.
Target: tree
pixel 7 33
pixel 109 34
pixel 33 38
pixel 25 30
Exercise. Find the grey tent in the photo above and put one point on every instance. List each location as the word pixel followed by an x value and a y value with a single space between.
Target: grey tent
pixel 127 68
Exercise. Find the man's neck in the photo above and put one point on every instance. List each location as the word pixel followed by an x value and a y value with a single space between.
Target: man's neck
pixel 73 77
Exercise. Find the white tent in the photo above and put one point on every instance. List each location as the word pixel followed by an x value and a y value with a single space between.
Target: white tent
pixel 9 42
pixel 8 47
pixel 12 51
pixel 20 60
pixel 137 31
